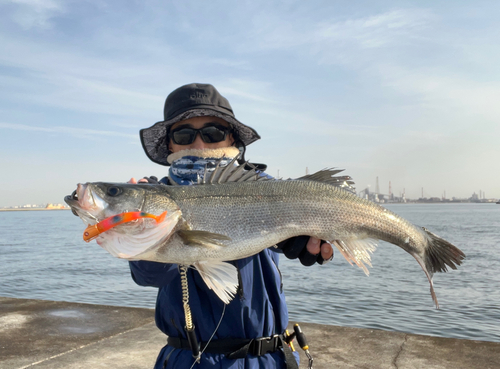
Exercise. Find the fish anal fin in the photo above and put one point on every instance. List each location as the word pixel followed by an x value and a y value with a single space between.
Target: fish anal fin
pixel 220 277
pixel 357 251
pixel 202 238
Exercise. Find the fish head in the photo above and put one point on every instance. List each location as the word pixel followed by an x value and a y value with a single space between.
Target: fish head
pixel 94 202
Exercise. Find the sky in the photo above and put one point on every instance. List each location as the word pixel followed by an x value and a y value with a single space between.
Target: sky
pixel 406 91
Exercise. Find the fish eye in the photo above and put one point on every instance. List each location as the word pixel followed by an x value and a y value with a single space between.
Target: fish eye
pixel 114 191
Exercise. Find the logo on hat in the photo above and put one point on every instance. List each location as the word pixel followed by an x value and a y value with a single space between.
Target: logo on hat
pixel 198 95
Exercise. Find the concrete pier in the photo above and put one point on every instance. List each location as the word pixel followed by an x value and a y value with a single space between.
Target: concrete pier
pixel 50 334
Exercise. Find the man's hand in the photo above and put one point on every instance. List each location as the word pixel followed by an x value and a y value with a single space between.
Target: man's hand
pixel 309 250
pixel 151 179
pixel 315 247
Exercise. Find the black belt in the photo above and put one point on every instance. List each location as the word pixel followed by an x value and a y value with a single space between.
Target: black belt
pixel 237 348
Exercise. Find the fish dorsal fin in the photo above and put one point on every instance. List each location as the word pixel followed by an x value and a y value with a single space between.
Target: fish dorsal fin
pixel 328 176
pixel 220 277
pixel 233 173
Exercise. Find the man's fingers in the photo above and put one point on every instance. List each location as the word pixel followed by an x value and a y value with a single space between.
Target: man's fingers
pixel 313 246
pixel 326 251
pixel 134 181
pixel 309 250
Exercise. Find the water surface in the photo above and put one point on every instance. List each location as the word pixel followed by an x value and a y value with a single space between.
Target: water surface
pixel 42 256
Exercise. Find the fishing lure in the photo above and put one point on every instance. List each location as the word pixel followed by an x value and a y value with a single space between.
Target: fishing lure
pixel 92 231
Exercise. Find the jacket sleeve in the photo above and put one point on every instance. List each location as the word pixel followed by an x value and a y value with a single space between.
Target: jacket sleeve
pixel 150 273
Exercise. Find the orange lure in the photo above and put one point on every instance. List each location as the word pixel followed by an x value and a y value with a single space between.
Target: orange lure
pixel 95 230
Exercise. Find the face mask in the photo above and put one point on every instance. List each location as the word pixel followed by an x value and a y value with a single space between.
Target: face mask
pixel 191 167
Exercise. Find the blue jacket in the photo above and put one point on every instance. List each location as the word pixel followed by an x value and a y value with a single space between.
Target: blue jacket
pixel 258 310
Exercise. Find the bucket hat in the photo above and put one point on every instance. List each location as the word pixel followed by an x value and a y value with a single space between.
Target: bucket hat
pixel 188 101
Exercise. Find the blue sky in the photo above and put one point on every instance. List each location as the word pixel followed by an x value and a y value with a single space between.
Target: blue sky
pixel 404 90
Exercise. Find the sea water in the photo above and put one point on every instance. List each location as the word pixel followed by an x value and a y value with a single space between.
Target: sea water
pixel 43 256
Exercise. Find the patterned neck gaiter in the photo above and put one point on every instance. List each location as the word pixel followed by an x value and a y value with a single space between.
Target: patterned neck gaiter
pixel 189 167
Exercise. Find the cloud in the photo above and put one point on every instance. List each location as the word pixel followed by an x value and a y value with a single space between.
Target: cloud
pixel 51 76
pixel 36 13
pixel 72 131
pixel 374 31
pixel 335 40
pixel 454 93
pixel 231 63
pixel 256 91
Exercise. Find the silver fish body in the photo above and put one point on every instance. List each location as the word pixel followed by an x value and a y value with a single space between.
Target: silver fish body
pixel 220 222
pixel 258 215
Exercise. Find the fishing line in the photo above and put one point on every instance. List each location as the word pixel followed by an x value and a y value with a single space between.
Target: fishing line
pixel 212 336
pixel 188 316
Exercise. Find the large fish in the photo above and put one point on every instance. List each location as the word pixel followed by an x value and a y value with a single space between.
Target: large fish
pixel 238 214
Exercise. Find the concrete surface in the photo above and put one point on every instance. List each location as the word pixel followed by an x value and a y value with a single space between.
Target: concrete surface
pixel 342 347
pixel 52 334
pixel 49 334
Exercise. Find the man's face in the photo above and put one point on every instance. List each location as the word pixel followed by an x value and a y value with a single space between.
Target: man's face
pixel 198 143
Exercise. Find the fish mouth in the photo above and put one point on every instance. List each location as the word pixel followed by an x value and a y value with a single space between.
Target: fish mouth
pixel 71 200
pixel 85 204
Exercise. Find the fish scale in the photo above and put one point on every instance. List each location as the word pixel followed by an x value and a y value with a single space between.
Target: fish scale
pixel 284 210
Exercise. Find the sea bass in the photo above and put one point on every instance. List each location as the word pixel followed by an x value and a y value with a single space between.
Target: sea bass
pixel 238 214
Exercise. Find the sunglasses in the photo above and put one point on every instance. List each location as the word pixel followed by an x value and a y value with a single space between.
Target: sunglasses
pixel 209 134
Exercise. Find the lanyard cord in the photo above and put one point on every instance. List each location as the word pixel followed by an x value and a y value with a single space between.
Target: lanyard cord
pixel 185 298
pixel 191 335
pixel 193 342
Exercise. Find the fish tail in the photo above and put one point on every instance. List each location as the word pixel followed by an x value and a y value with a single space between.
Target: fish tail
pixel 429 275
pixel 441 254
pixel 438 256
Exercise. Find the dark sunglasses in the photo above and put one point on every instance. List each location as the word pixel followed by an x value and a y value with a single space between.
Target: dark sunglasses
pixel 209 134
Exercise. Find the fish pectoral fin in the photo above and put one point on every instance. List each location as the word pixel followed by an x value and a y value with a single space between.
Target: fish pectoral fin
pixel 202 238
pixel 220 277
pixel 357 251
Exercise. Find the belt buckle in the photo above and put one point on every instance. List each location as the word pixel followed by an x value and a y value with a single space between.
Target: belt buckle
pixel 263 345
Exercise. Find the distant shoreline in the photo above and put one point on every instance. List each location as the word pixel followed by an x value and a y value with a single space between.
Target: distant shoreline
pixel 28 209
pixel 381 203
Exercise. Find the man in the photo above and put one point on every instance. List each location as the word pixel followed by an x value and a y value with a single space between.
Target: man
pixel 199 129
